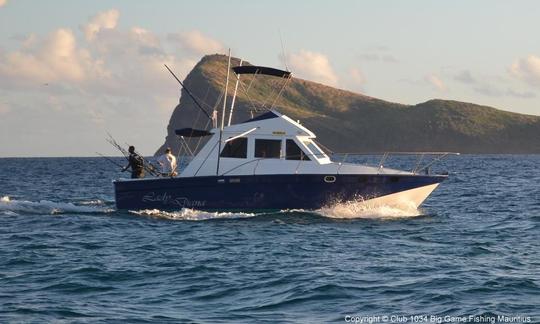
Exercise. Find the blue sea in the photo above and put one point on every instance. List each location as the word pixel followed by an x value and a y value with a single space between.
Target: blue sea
pixel 470 254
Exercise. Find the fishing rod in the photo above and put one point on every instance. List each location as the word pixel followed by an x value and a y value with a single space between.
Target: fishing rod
pixel 149 167
pixel 189 93
pixel 115 144
pixel 110 160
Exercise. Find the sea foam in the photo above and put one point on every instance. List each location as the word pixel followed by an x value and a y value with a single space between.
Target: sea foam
pixel 192 214
pixel 361 209
pixel 9 206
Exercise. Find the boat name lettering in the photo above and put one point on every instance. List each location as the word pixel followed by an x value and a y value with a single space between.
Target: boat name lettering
pixel 168 199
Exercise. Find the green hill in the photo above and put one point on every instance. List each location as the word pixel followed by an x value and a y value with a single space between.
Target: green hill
pixel 349 122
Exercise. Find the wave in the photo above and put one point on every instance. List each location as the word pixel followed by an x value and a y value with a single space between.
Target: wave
pixel 192 214
pixel 95 202
pixel 362 209
pixel 9 206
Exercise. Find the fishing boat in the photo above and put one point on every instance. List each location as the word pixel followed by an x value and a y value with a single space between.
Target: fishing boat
pixel 271 162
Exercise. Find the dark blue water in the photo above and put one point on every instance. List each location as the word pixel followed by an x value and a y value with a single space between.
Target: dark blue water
pixel 66 255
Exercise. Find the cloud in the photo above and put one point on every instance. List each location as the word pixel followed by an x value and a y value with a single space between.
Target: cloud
pixel 106 77
pixel 527 69
pixel 357 79
pixel 489 91
pixel 197 43
pixel 434 80
pixel 374 57
pixel 123 63
pixel 312 66
pixel 465 76
pixel 103 20
pixel 378 54
pixel 522 95
pixel 485 86
pixel 54 58
pixel 3 3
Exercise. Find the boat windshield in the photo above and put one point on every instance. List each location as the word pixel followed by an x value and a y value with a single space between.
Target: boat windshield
pixel 319 154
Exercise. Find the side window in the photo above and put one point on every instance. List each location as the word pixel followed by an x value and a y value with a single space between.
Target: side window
pixel 236 148
pixel 294 152
pixel 265 148
pixel 317 152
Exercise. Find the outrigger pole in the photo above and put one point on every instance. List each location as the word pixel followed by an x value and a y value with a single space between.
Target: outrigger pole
pixel 189 93
pixel 234 96
pixel 223 113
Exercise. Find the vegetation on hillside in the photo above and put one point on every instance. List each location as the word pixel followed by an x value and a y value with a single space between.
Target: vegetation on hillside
pixel 347 121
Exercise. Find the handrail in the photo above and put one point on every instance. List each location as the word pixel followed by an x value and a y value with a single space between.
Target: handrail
pixel 417 168
pixel 339 163
pixel 396 153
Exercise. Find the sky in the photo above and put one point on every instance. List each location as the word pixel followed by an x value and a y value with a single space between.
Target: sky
pixel 72 71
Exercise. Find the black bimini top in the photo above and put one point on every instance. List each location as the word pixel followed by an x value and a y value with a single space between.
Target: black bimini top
pixel 266 115
pixel 190 132
pixel 253 69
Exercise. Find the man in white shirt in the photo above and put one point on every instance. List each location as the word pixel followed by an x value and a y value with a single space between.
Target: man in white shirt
pixel 168 164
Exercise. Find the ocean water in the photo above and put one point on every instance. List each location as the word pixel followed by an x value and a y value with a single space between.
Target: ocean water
pixel 66 254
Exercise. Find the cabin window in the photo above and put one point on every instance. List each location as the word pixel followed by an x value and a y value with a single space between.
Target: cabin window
pixel 315 149
pixel 293 151
pixel 237 148
pixel 266 148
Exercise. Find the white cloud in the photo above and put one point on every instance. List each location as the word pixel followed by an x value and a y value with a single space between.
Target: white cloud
pixel 197 43
pixel 3 3
pixel 436 82
pixel 103 20
pixel 54 58
pixel 357 76
pixel 527 69
pixel 312 66
pixel 109 78
pixel 357 79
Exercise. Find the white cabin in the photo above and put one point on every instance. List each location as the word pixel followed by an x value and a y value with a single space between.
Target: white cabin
pixel 271 143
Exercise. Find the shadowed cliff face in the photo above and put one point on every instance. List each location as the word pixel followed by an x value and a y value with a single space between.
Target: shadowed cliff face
pixel 349 122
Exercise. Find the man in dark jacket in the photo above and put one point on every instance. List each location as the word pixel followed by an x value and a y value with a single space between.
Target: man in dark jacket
pixel 136 162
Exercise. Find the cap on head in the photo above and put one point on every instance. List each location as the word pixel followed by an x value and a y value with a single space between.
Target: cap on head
pixel 131 149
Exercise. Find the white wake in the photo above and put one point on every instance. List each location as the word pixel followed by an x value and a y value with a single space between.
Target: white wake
pixel 347 210
pixel 361 209
pixel 10 207
pixel 192 214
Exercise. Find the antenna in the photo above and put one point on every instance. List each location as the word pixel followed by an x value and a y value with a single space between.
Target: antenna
pixel 283 51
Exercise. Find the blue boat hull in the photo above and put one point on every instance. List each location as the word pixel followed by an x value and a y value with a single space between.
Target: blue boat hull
pixel 303 191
